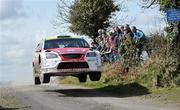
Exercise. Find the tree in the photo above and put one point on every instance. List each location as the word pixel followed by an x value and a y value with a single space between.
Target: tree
pixel 164 5
pixel 85 17
pixel 173 26
pixel 172 65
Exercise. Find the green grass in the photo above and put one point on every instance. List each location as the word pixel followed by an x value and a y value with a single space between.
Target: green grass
pixel 130 89
pixel 8 102
pixel 73 80
pixel 165 95
pixel 147 81
pixel 114 88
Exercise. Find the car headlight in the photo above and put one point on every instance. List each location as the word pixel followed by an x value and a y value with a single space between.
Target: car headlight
pixel 51 55
pixel 91 54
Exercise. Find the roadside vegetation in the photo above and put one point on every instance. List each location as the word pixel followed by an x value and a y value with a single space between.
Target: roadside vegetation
pixel 148 78
pixel 7 101
pixel 159 75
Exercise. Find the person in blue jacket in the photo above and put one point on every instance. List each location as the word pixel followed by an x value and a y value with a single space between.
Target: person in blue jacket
pixel 138 34
pixel 140 39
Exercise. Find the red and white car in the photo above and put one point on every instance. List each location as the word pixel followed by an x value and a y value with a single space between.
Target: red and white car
pixel 66 56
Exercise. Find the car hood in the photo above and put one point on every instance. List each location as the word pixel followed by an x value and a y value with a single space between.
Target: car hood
pixel 61 51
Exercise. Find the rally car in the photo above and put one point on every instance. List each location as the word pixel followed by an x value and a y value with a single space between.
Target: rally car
pixel 66 56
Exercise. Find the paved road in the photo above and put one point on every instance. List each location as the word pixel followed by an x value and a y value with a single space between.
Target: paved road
pixel 67 97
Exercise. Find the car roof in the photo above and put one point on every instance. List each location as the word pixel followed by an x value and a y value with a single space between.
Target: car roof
pixel 62 37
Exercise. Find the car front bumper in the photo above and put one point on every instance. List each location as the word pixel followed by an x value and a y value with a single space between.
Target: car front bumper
pixel 53 70
pixel 64 72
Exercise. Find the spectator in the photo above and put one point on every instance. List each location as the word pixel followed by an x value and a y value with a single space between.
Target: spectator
pixel 112 40
pixel 138 34
pixel 113 45
pixel 127 32
pixel 104 37
pixel 122 29
pixel 99 34
pixel 100 42
pixel 94 45
pixel 122 33
pixel 118 36
pixel 139 37
pixel 107 53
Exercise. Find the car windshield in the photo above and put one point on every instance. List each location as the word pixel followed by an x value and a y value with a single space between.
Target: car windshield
pixel 66 43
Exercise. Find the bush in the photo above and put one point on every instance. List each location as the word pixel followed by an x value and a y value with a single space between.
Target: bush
pixel 160 70
pixel 116 73
pixel 164 64
pixel 112 72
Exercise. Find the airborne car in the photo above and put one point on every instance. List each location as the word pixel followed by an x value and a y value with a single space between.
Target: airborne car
pixel 66 56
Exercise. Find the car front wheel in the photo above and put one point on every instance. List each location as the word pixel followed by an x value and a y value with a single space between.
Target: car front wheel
pixel 82 77
pixel 37 81
pixel 95 76
pixel 44 78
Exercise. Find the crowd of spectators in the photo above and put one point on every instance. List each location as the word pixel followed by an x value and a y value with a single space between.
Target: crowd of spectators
pixel 113 44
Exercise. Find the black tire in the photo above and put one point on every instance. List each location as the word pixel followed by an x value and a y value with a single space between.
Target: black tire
pixel 82 77
pixel 37 81
pixel 95 76
pixel 46 78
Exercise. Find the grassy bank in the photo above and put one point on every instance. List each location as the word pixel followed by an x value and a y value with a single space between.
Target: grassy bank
pixel 125 89
pixel 149 79
pixel 141 81
pixel 165 95
pixel 7 101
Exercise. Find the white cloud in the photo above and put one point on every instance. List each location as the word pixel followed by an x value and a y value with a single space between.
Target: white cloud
pixel 11 9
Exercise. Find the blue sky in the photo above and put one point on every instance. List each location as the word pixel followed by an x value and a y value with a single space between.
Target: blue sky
pixel 24 22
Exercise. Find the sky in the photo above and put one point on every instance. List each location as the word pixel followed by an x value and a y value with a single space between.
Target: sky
pixel 25 22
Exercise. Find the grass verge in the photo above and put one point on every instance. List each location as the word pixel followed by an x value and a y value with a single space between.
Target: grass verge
pixel 165 95
pixel 7 101
pixel 130 89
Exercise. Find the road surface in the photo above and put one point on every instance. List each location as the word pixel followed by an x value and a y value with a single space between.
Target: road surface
pixel 68 97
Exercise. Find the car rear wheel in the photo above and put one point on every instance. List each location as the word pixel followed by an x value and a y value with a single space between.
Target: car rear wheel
pixel 95 76
pixel 82 77
pixel 37 81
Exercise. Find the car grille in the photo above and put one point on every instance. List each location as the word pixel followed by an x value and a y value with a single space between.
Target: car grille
pixel 72 56
pixel 71 65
